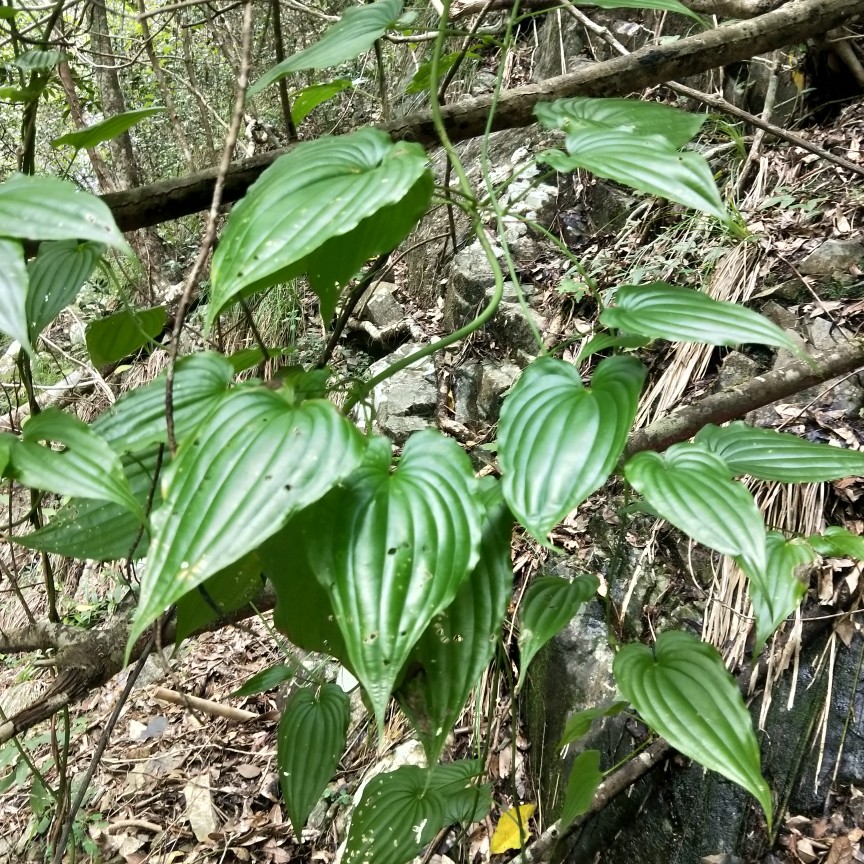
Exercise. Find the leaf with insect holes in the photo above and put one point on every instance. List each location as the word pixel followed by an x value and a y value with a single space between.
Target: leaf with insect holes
pixel 770 455
pixel 549 603
pixel 558 441
pixel 459 642
pixel 685 693
pixel 253 462
pixel 691 487
pixel 310 742
pixel 392 548
pixel 664 311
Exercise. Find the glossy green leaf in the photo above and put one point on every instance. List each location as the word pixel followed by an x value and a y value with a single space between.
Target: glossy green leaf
pixel 224 592
pixel 105 130
pixel 684 692
pixel 121 334
pixel 354 33
pixel 662 5
pixel 837 542
pixel 99 530
pixel 309 98
pixel 303 611
pixel 86 468
pixel 38 61
pixel 777 590
pixel 559 440
pixel 580 722
pixel 392 549
pixel 633 143
pixel 45 208
pixel 6 443
pixel 691 487
pixel 266 679
pixel 604 341
pixel 402 811
pixel 460 641
pixel 322 209
pixel 137 419
pixel 771 455
pixel 310 742
pixel 56 275
pixel 13 293
pixel 465 801
pixel 585 777
pixel 252 463
pixel 549 603
pixel 664 311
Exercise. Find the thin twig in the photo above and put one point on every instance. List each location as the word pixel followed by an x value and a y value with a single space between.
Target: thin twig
pixel 210 230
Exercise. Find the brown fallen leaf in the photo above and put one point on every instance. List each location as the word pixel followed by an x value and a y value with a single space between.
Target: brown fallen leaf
pixel 841 851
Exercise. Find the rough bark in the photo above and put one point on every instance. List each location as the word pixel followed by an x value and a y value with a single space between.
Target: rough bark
pixel 652 65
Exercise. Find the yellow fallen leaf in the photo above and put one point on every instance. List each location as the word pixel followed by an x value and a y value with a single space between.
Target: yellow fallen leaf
pixel 507 834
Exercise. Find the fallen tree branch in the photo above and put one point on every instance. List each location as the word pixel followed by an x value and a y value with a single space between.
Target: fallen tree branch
pixel 205 706
pixel 794 22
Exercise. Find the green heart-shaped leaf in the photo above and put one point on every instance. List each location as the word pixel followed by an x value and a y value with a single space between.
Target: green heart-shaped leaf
pixel 559 440
pixel 254 461
pixel 322 209
pixel 690 487
pixel 311 739
pixel 771 455
pixel 684 692
pixel 664 311
pixel 392 549
pixel 460 641
pixel 549 603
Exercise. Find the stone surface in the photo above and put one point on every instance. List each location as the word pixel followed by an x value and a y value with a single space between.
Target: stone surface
pixel 468 282
pixel 495 381
pixel 406 402
pixel 466 386
pixel 381 307
pixel 833 256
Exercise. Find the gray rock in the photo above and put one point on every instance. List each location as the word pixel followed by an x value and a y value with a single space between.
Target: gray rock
pixel 382 309
pixel 470 277
pixel 511 330
pixel 833 256
pixel 495 381
pixel 736 368
pixel 561 47
pixel 406 402
pixel 466 386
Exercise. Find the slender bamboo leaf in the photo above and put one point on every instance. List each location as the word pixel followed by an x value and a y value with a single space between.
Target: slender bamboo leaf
pixel 354 33
pixel 100 530
pixel 581 721
pixel 459 642
pixel 690 487
pixel 402 811
pixel 105 130
pixel 56 275
pixel 662 5
pixel 309 98
pixel 549 603
pixel 121 334
pixel 266 679
pixel 837 542
pixel 585 777
pixel 224 592
pixel 559 441
pixel 777 591
pixel 771 455
pixel 392 550
pixel 636 144
pixel 87 468
pixel 253 462
pixel 137 419
pixel 664 311
pixel 684 692
pixel 45 208
pixel 322 209
pixel 310 742
pixel 13 293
